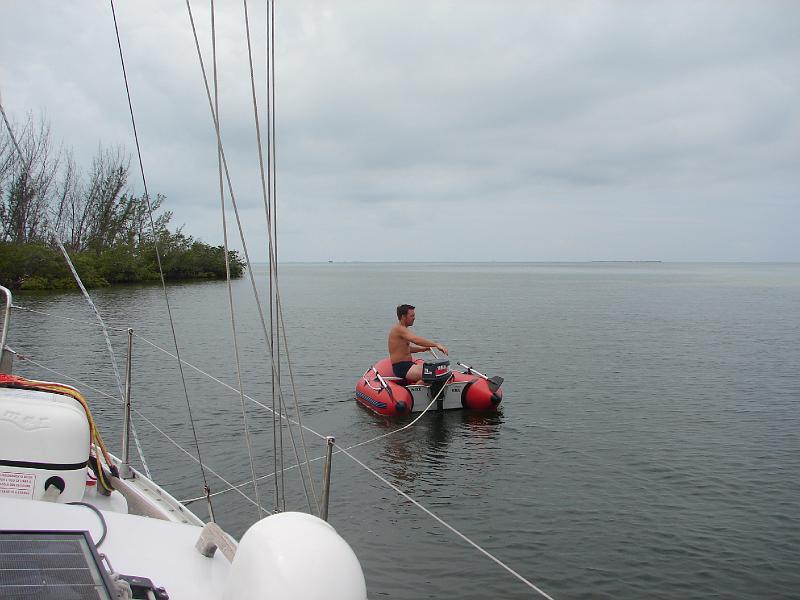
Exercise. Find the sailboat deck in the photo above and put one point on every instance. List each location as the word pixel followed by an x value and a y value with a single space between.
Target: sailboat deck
pixel 159 550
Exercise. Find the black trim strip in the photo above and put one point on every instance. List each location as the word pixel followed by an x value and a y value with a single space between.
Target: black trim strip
pixel 46 466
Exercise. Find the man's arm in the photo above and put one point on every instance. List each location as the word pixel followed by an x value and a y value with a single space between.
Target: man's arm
pixel 422 344
pixel 415 349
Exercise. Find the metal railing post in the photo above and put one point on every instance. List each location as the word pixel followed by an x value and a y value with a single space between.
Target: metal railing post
pixel 326 478
pixel 5 360
pixel 126 424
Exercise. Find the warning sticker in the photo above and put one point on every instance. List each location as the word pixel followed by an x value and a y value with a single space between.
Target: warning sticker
pixel 16 484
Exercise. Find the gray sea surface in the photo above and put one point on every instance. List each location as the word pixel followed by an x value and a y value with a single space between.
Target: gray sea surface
pixel 647 445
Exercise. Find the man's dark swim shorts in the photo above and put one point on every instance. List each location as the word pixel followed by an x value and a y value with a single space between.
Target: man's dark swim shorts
pixel 401 368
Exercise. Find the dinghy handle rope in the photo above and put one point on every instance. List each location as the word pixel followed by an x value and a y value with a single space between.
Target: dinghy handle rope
pixel 378 377
pixel 370 386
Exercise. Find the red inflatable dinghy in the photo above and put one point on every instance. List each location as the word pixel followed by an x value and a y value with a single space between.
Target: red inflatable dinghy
pixel 380 391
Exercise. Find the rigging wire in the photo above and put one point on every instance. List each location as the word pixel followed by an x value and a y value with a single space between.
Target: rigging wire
pixel 11 133
pixel 239 225
pixel 270 199
pixel 340 449
pixel 277 341
pixel 268 206
pixel 85 385
pixel 264 196
pixel 251 399
pixel 228 270
pixel 158 260
pixel 80 321
pixel 358 445
pixel 301 427
pixel 273 231
pixel 88 299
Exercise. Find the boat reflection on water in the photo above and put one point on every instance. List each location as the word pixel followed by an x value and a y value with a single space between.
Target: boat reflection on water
pixel 415 459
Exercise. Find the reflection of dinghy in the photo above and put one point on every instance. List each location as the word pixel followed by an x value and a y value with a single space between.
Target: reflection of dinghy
pixel 380 391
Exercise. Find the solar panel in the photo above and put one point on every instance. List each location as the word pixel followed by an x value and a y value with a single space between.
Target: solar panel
pixel 50 565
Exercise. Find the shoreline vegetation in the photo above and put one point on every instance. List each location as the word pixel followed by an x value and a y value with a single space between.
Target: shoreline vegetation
pixel 107 231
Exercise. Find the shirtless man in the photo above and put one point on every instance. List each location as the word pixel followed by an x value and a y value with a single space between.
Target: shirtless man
pixel 403 343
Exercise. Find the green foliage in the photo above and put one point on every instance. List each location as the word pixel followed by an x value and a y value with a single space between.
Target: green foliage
pixel 109 232
pixel 37 266
pixel 184 257
pixel 21 262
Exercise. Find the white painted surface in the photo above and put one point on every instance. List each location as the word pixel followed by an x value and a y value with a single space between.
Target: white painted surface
pixel 161 551
pixel 115 502
pixel 40 427
pixel 146 498
pixel 298 556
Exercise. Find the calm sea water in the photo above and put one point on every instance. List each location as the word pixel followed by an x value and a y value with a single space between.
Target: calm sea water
pixel 647 445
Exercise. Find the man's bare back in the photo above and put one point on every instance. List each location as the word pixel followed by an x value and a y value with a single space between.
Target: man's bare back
pixel 403 343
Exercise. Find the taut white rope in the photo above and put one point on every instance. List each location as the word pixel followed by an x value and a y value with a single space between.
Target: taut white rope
pixel 339 449
pixel 447 525
pixel 108 346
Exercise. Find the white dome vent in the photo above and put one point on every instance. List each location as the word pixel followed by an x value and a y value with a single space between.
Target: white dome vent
pixel 295 556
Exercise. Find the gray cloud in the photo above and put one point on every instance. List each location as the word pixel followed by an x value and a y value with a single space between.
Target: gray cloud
pixel 451 130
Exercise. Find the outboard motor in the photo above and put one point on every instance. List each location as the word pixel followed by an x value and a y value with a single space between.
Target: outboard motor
pixel 436 373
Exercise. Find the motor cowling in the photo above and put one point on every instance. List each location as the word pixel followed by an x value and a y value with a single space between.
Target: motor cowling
pixel 436 371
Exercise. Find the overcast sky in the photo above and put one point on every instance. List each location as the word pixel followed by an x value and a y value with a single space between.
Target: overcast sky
pixel 479 131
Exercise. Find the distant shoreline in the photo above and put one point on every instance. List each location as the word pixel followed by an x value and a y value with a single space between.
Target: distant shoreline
pixel 530 262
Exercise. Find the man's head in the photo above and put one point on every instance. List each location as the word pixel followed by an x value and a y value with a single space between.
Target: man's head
pixel 406 315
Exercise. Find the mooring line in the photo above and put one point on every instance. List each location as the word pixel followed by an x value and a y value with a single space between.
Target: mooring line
pixel 339 449
pixel 444 523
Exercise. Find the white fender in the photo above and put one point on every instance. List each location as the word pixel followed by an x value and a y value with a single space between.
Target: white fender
pixel 295 556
